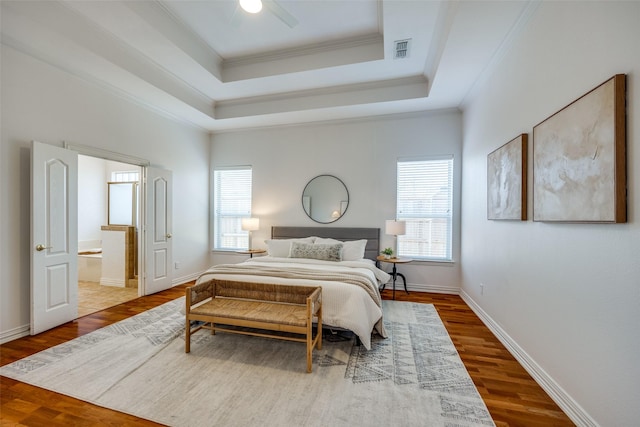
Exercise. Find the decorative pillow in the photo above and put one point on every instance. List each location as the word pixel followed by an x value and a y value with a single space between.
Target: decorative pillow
pixel 353 250
pixel 331 252
pixel 282 247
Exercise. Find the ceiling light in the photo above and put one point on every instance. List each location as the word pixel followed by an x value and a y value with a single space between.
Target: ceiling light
pixel 251 6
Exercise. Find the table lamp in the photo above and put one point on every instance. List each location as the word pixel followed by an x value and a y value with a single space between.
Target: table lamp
pixel 250 224
pixel 395 228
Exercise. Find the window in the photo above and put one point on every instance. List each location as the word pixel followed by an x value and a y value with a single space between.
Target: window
pixel 425 203
pixel 125 176
pixel 232 202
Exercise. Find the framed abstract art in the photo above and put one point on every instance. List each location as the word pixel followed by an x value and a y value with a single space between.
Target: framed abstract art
pixel 507 181
pixel 579 159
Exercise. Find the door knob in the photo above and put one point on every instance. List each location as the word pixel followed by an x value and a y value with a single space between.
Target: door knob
pixel 168 235
pixel 41 247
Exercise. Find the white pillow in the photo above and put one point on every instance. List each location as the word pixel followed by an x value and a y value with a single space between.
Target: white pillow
pixel 323 241
pixel 282 247
pixel 352 250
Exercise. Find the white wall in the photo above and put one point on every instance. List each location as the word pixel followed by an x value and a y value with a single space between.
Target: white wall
pixel 93 196
pixel 40 102
pixel 363 155
pixel 92 199
pixel 566 295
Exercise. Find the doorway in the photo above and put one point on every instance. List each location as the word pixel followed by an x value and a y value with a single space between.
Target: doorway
pixel 108 243
pixel 54 231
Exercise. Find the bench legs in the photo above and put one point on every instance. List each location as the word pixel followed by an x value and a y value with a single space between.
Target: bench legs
pixel 310 341
pixel 188 332
pixel 187 337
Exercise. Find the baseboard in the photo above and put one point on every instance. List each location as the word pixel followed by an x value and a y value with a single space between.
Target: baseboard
pixel 573 410
pixel 25 330
pixel 184 279
pixel 421 287
pixel 15 333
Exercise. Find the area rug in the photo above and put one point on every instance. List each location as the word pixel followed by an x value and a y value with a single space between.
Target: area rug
pixel 138 366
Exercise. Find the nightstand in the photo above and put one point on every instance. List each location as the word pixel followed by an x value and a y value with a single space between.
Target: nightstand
pixel 250 252
pixel 394 272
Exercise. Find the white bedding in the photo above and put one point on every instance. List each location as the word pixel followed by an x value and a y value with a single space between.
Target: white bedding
pixel 344 305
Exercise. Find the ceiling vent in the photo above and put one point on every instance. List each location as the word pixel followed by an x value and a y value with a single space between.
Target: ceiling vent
pixel 401 49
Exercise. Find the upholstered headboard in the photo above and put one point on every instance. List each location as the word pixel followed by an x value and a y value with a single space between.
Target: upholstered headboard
pixel 372 250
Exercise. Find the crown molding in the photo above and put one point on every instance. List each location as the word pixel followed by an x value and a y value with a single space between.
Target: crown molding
pixel 329 54
pixel 341 89
pixel 159 15
pixel 110 89
pixel 311 49
pixel 333 121
pixel 505 46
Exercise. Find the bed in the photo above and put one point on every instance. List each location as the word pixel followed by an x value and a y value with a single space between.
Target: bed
pixel 341 260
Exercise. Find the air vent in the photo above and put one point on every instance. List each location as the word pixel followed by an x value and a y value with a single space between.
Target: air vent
pixel 401 49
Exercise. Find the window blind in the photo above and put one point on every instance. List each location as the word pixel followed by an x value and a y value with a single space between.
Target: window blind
pixel 425 203
pixel 232 202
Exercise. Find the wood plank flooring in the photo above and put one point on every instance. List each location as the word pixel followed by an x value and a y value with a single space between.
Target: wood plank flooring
pixel 512 396
pixel 510 393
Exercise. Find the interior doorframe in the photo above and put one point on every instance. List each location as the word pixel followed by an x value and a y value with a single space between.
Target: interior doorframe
pixel 137 161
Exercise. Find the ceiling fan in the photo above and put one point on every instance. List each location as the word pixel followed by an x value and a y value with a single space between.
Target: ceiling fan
pixel 255 6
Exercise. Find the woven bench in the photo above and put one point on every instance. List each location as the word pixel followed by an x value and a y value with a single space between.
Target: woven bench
pixel 258 309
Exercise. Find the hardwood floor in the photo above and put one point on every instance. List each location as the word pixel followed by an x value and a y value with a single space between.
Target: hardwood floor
pixel 512 396
pixel 510 393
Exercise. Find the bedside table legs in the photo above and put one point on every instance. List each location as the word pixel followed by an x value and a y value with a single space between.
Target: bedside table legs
pixel 395 274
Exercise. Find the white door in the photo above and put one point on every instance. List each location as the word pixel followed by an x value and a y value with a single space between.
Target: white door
pixel 54 236
pixel 157 239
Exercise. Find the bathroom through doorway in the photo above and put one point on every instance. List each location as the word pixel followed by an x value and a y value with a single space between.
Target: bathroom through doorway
pixel 108 238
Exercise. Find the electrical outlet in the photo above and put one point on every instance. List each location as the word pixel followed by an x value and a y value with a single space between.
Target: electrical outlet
pixel 177 265
pixel 481 288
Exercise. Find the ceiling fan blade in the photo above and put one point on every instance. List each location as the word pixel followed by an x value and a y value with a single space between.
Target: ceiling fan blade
pixel 280 12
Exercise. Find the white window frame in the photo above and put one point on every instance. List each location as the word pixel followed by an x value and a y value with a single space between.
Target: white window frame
pixel 125 176
pixel 422 202
pixel 231 207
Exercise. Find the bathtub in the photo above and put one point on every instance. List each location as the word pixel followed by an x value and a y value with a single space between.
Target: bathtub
pixel 90 266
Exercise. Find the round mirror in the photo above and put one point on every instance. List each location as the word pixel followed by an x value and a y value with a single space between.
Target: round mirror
pixel 325 199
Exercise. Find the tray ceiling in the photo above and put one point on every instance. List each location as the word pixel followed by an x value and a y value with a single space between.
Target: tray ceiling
pixel 212 65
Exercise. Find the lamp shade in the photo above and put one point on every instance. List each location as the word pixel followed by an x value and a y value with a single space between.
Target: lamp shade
pixel 250 224
pixel 395 227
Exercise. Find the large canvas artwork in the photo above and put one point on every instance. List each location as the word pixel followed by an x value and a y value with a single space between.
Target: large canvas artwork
pixel 579 159
pixel 507 181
